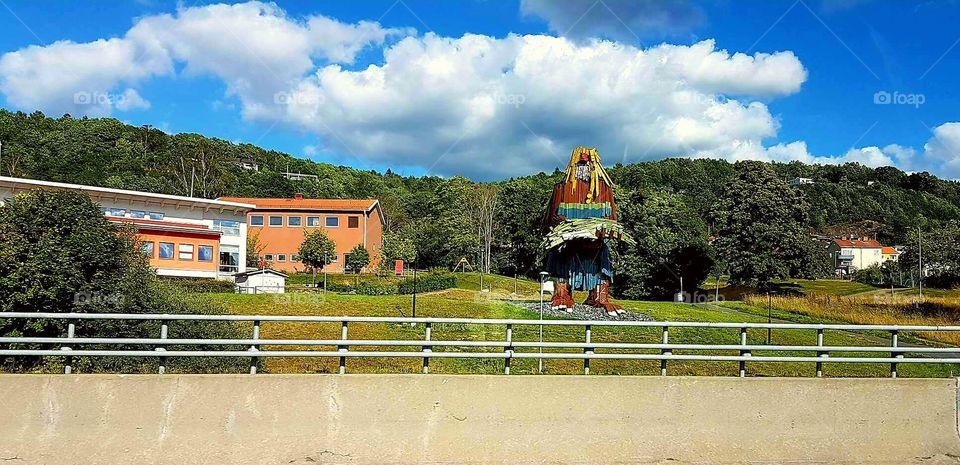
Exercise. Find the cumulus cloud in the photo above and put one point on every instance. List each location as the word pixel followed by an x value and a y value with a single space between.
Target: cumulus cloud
pixel 624 20
pixel 255 48
pixel 492 107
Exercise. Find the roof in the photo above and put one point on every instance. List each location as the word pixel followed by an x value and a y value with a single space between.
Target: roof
pixel 261 271
pixel 858 244
pixel 25 184
pixel 355 205
pixel 153 225
pixel 889 251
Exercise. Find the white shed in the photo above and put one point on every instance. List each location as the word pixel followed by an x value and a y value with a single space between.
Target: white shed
pixel 260 282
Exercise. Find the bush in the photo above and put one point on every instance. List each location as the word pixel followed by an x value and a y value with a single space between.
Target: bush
pixel 873 276
pixel 59 254
pixel 431 281
pixel 203 286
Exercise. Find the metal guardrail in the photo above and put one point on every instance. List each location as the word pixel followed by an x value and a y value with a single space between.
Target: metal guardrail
pixel 662 351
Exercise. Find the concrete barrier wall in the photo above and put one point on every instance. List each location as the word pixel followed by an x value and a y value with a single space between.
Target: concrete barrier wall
pixel 397 419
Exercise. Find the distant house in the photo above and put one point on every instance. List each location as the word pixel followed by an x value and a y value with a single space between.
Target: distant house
pixel 264 281
pixel 890 254
pixel 246 163
pixel 854 254
pixel 799 181
pixel 299 176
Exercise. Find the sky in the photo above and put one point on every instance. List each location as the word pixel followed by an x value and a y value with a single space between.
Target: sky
pixel 493 89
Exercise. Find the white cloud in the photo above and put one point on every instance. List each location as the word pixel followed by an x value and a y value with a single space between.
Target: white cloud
pixel 459 105
pixel 130 99
pixel 253 47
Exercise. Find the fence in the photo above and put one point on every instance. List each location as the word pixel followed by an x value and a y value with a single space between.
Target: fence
pixel 663 351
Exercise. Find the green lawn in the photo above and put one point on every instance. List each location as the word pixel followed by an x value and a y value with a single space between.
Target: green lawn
pixel 474 304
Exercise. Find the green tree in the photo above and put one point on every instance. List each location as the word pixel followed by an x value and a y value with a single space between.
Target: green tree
pixel 357 258
pixel 671 242
pixel 317 249
pixel 759 224
pixel 254 249
pixel 58 253
pixel 397 246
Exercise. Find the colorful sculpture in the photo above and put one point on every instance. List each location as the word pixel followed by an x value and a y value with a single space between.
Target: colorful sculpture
pixel 581 224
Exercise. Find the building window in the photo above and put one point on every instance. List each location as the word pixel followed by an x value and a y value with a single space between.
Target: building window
pixel 256 220
pixel 268 257
pixel 185 252
pixel 276 221
pixel 138 214
pixel 332 221
pixel 228 228
pixel 103 211
pixel 166 250
pixel 147 249
pixel 155 216
pixel 294 258
pixel 281 257
pixel 353 222
pixel 205 253
pixel 294 221
pixel 229 258
pixel 118 212
pixel 313 221
pixel 334 259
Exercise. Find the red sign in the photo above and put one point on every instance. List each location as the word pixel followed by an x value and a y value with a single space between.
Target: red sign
pixel 398 267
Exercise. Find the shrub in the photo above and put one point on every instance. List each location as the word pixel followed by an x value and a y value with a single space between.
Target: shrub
pixel 873 276
pixel 203 285
pixel 426 282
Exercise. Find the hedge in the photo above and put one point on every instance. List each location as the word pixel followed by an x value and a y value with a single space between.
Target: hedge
pixel 203 285
pixel 427 282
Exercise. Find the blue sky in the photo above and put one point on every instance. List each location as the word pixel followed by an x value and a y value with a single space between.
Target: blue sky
pixel 399 85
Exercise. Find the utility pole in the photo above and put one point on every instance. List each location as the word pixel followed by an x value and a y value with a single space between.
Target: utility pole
pixel 769 316
pixel 920 250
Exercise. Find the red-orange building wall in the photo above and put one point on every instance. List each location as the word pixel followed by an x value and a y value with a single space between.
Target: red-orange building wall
pixel 283 241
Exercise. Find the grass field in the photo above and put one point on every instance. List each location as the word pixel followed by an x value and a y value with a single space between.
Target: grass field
pixel 471 303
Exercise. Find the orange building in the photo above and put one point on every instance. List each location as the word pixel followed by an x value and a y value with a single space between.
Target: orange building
pixel 280 225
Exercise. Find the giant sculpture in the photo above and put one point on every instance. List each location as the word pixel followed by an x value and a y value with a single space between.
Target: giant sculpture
pixel 581 225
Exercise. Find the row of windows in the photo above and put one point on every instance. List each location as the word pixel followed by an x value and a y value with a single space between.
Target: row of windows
pixel 137 214
pixel 280 258
pixel 296 221
pixel 182 252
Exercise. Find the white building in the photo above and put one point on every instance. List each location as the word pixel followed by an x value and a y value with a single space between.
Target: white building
pixel 850 255
pixel 183 236
pixel 800 181
pixel 265 281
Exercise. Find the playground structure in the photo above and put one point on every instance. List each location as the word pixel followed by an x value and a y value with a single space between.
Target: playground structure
pixel 581 225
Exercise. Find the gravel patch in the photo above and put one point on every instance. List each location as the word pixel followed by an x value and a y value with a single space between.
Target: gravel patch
pixel 583 312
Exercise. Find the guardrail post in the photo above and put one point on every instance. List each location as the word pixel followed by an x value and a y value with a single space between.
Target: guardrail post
pixel 426 350
pixel 743 353
pixel 666 340
pixel 820 353
pixel 343 348
pixel 894 336
pixel 163 335
pixel 588 351
pixel 68 363
pixel 508 349
pixel 255 347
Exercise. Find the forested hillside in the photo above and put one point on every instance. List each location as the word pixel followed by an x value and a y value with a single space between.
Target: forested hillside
pixel 674 197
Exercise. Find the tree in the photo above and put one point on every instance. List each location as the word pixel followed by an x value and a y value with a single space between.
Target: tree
pixel 671 242
pixel 397 246
pixel 759 222
pixel 484 204
pixel 357 258
pixel 254 249
pixel 317 250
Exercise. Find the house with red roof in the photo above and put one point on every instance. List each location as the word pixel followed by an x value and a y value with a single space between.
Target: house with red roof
pixel 852 254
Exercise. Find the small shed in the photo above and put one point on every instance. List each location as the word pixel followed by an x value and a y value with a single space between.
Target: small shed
pixel 263 281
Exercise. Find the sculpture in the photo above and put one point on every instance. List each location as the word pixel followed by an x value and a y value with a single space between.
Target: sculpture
pixel 581 224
